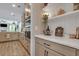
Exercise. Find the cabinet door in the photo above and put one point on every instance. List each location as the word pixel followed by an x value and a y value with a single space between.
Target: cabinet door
pixel 62 49
pixel 39 50
pixel 52 53
pixel 77 52
pixel 43 51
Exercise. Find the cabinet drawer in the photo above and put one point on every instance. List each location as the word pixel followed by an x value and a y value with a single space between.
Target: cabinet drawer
pixel 52 53
pixel 6 36
pixel 13 36
pixel 43 51
pixel 64 50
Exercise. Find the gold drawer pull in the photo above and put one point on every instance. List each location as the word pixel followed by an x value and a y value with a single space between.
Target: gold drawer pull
pixel 46 44
pixel 7 35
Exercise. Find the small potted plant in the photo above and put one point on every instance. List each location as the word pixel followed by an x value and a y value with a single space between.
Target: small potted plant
pixel 45 19
pixel 45 22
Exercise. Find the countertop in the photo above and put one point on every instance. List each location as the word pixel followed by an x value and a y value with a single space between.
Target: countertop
pixel 74 43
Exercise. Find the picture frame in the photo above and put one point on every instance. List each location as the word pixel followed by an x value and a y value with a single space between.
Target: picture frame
pixel 75 6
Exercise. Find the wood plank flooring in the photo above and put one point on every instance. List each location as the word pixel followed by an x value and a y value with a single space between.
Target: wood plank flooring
pixel 13 48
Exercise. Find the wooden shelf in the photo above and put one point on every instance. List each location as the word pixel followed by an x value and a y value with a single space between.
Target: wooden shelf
pixel 28 26
pixel 66 14
pixel 27 20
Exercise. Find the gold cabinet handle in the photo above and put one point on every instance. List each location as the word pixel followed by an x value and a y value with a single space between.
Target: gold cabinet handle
pixel 44 52
pixel 46 44
pixel 47 53
pixel 7 35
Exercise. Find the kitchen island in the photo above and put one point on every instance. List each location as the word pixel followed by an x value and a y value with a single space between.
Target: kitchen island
pixel 13 44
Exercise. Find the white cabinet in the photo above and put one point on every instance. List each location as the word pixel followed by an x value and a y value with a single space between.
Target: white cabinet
pixel 39 50
pixel 43 51
pixel 44 47
pixel 52 53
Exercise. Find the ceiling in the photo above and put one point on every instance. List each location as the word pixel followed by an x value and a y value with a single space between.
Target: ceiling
pixel 10 12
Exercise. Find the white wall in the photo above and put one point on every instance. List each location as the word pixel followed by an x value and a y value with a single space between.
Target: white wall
pixel 53 8
pixel 69 23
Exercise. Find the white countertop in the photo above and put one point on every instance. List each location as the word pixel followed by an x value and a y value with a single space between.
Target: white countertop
pixel 74 43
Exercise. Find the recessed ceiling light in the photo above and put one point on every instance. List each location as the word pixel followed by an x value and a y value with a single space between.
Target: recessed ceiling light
pixel 12 14
pixel 13 5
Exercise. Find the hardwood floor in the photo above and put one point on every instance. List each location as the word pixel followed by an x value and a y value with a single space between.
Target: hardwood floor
pixel 13 48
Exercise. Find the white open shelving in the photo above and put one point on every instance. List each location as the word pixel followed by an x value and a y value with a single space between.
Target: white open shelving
pixel 66 14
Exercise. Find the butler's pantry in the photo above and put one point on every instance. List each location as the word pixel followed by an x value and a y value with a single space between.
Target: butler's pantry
pixel 39 29
pixel 55 29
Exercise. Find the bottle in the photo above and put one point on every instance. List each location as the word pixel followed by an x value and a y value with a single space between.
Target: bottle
pixel 48 30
